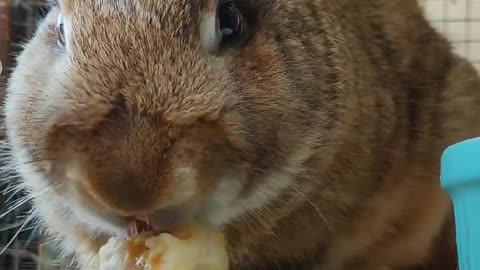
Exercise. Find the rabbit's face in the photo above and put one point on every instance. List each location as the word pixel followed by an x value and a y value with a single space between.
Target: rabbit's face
pixel 160 110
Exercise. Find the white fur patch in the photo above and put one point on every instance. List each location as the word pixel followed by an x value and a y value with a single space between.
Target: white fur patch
pixel 209 32
pixel 225 205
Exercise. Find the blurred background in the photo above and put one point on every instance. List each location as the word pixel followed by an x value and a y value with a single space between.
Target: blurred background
pixel 25 246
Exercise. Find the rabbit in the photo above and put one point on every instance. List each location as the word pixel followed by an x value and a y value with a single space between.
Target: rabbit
pixel 308 131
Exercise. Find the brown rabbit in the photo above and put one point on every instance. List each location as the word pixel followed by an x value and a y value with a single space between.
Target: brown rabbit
pixel 310 131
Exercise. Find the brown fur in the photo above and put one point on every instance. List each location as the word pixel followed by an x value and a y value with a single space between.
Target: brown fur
pixel 349 102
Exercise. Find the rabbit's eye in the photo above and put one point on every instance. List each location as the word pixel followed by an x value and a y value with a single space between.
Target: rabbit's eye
pixel 60 28
pixel 232 24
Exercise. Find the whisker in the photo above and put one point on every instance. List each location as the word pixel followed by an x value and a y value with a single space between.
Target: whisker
pixel 39 260
pixel 17 233
pixel 9 178
pixel 19 189
pixel 309 178
pixel 34 161
pixel 33 233
pixel 88 261
pixel 23 201
pixel 29 228
pixel 12 225
pixel 72 262
pixel 301 194
pixel 15 206
pixel 48 243
pixel 10 188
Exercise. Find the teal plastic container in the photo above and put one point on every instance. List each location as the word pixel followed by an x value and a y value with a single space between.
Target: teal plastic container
pixel 460 178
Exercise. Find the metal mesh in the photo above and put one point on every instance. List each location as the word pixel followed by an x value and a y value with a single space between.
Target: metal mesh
pixel 21 252
pixel 458 19
pixel 27 248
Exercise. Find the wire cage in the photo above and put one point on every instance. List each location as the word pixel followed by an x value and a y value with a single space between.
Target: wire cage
pixel 18 19
pixel 22 244
pixel 459 20
pixel 27 249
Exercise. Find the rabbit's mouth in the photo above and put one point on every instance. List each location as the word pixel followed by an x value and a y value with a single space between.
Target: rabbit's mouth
pixel 162 221
pixel 136 227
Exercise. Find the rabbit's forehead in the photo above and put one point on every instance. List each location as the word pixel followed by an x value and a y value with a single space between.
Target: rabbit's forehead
pixel 162 20
pixel 164 8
